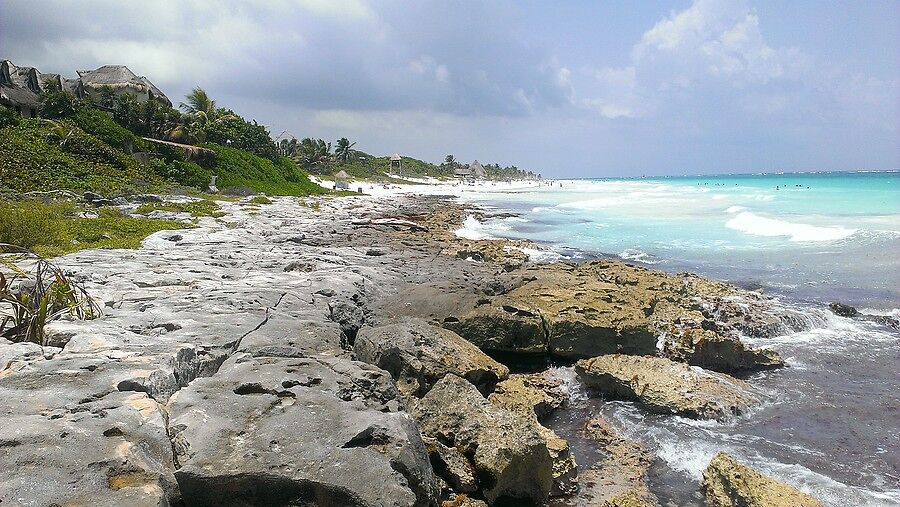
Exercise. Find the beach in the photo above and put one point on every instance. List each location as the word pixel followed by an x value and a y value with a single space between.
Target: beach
pixel 205 330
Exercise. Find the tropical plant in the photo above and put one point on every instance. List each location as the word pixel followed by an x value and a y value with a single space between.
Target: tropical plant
pixel 450 160
pixel 55 103
pixel 200 105
pixel 313 154
pixel 33 298
pixel 342 150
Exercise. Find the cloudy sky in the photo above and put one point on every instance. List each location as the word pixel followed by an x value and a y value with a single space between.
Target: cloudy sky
pixel 580 88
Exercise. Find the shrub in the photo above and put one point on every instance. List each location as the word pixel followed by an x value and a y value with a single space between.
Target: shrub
pixel 238 168
pixel 201 208
pixel 8 117
pixel 188 174
pixel 260 199
pixel 47 155
pixel 103 127
pixel 233 131
pixel 38 296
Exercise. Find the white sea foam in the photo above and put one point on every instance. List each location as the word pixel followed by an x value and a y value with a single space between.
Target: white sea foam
pixel 750 223
pixel 633 254
pixel 734 209
pixel 472 229
pixel 536 255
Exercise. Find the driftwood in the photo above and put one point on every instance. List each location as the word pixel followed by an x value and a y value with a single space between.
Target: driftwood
pixel 392 222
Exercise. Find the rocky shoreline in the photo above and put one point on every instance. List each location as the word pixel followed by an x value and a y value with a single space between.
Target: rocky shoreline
pixel 357 352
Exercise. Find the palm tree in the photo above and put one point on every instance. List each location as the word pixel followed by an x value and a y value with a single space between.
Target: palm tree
pixel 313 153
pixel 450 160
pixel 200 105
pixel 342 150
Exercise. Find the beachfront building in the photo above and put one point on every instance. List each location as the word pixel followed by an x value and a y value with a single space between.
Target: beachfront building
pixel 121 81
pixel 462 173
pixel 20 87
pixel 477 170
pixel 340 180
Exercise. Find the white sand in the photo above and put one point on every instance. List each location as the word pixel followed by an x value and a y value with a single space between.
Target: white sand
pixel 433 186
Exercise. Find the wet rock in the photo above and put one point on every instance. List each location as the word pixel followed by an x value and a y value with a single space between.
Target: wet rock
pixel 276 431
pixel 508 453
pixel 663 386
pixel 727 483
pixel 711 350
pixel 527 396
pixel 418 354
pixel 843 310
pixel 620 478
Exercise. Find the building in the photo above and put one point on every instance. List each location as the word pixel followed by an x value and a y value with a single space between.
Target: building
pixel 20 87
pixel 477 170
pixel 462 172
pixel 340 180
pixel 121 81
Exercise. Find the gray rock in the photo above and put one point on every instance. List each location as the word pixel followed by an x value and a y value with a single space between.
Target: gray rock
pixel 451 466
pixel 509 455
pixel 304 431
pixel 418 354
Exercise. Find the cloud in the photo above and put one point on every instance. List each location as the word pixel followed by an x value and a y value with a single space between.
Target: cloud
pixel 715 52
pixel 318 54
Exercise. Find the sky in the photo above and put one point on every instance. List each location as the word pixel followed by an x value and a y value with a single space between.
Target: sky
pixel 574 89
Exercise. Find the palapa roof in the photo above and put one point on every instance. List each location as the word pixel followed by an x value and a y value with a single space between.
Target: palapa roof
pixel 396 156
pixel 14 84
pixel 342 175
pixel 118 76
pixel 462 171
pixel 477 169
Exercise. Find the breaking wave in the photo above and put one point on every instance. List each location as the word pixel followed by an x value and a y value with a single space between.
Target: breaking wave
pixel 750 223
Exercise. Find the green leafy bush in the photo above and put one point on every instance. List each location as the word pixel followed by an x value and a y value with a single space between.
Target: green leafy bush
pixel 103 127
pixel 201 208
pixel 239 168
pixel 188 174
pixel 233 131
pixel 8 117
pixel 54 155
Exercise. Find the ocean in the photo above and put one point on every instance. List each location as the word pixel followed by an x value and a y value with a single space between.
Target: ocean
pixel 831 422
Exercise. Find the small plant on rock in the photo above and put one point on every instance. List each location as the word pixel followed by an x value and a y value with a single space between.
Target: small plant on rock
pixel 39 293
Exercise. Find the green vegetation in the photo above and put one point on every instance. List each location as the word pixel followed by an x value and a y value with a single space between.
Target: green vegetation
pixel 202 208
pixel 42 155
pixel 59 228
pixel 37 296
pixel 239 168
pixel 260 199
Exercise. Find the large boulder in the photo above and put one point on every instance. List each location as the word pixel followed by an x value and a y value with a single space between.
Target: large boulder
pixel 667 387
pixel 289 431
pixel 418 354
pixel 728 483
pixel 508 453
pixel 503 327
pixel 713 351
pixel 532 397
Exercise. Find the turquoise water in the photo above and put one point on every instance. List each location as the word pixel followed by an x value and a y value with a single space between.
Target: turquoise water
pixel 825 236
pixel 829 425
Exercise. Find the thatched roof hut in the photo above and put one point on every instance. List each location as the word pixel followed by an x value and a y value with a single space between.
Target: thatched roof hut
pixel 121 79
pixel 477 170
pixel 19 88
pixel 341 175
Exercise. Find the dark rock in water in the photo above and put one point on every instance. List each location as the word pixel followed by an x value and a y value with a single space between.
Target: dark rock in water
pixel 376 252
pixel 884 320
pixel 666 387
pixel 843 310
pixel 417 355
pixel 728 483
pixel 305 431
pixel 508 453
pixel 302 266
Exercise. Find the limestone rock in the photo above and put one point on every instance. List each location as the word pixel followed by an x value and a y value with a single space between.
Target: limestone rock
pixel 711 350
pixel 508 453
pixel 287 431
pixel 727 483
pixel 667 387
pixel 503 327
pixel 620 479
pixel 450 465
pixel 418 354
pixel 530 397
